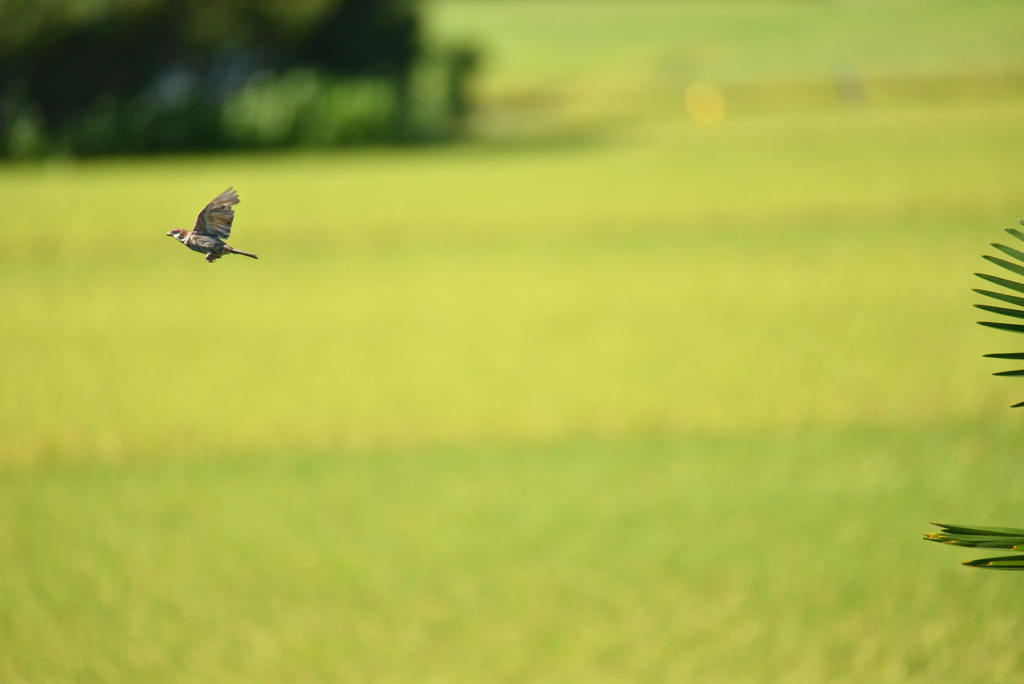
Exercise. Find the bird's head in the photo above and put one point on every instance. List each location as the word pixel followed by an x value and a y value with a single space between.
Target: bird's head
pixel 177 234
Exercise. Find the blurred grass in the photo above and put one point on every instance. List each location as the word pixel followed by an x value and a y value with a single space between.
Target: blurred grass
pixel 773 271
pixel 631 399
pixel 729 558
pixel 565 49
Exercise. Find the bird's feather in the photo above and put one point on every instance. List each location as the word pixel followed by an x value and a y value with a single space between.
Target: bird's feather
pixel 215 220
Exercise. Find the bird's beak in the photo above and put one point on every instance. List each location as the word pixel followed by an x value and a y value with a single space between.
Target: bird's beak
pixel 169 234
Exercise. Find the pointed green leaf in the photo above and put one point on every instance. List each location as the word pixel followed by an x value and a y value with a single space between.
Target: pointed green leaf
pixel 1007 540
pixel 994 544
pixel 1018 405
pixel 1009 284
pixel 978 541
pixel 1009 299
pixel 1014 232
pixel 1009 543
pixel 1015 268
pixel 1015 355
pixel 1009 327
pixel 1019 256
pixel 1001 563
pixel 975 529
pixel 1010 373
pixel 1002 311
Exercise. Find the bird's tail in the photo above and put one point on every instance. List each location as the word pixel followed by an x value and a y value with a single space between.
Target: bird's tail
pixel 238 251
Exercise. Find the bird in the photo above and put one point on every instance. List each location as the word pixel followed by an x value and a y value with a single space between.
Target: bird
pixel 213 226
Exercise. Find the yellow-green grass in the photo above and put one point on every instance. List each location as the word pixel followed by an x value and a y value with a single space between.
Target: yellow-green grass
pixel 651 402
pixel 727 558
pixel 531 43
pixel 768 272
pixel 581 56
pixel 513 414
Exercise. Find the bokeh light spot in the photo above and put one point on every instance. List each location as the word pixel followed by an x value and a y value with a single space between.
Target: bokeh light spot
pixel 705 103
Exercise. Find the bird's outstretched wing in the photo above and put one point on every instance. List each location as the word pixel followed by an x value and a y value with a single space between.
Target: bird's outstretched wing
pixel 215 220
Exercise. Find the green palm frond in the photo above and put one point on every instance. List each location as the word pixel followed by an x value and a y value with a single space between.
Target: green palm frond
pixel 1016 301
pixel 1010 538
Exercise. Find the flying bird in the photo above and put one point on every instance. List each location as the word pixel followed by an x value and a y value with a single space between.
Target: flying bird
pixel 213 226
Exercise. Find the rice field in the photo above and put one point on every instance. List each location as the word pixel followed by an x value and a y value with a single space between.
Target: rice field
pixel 602 393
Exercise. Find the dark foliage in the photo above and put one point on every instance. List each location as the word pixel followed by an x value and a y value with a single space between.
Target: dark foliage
pixel 144 75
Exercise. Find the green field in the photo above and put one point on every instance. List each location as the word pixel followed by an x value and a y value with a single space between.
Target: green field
pixel 600 394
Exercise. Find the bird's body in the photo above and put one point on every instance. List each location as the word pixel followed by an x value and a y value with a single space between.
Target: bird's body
pixel 213 226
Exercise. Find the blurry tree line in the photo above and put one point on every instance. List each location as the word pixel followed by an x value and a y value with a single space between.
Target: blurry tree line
pixel 134 76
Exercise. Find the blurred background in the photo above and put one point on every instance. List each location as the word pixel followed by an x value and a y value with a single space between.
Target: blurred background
pixel 589 341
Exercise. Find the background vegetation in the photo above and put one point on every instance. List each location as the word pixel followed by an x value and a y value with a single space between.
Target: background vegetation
pixel 80 77
pixel 605 394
